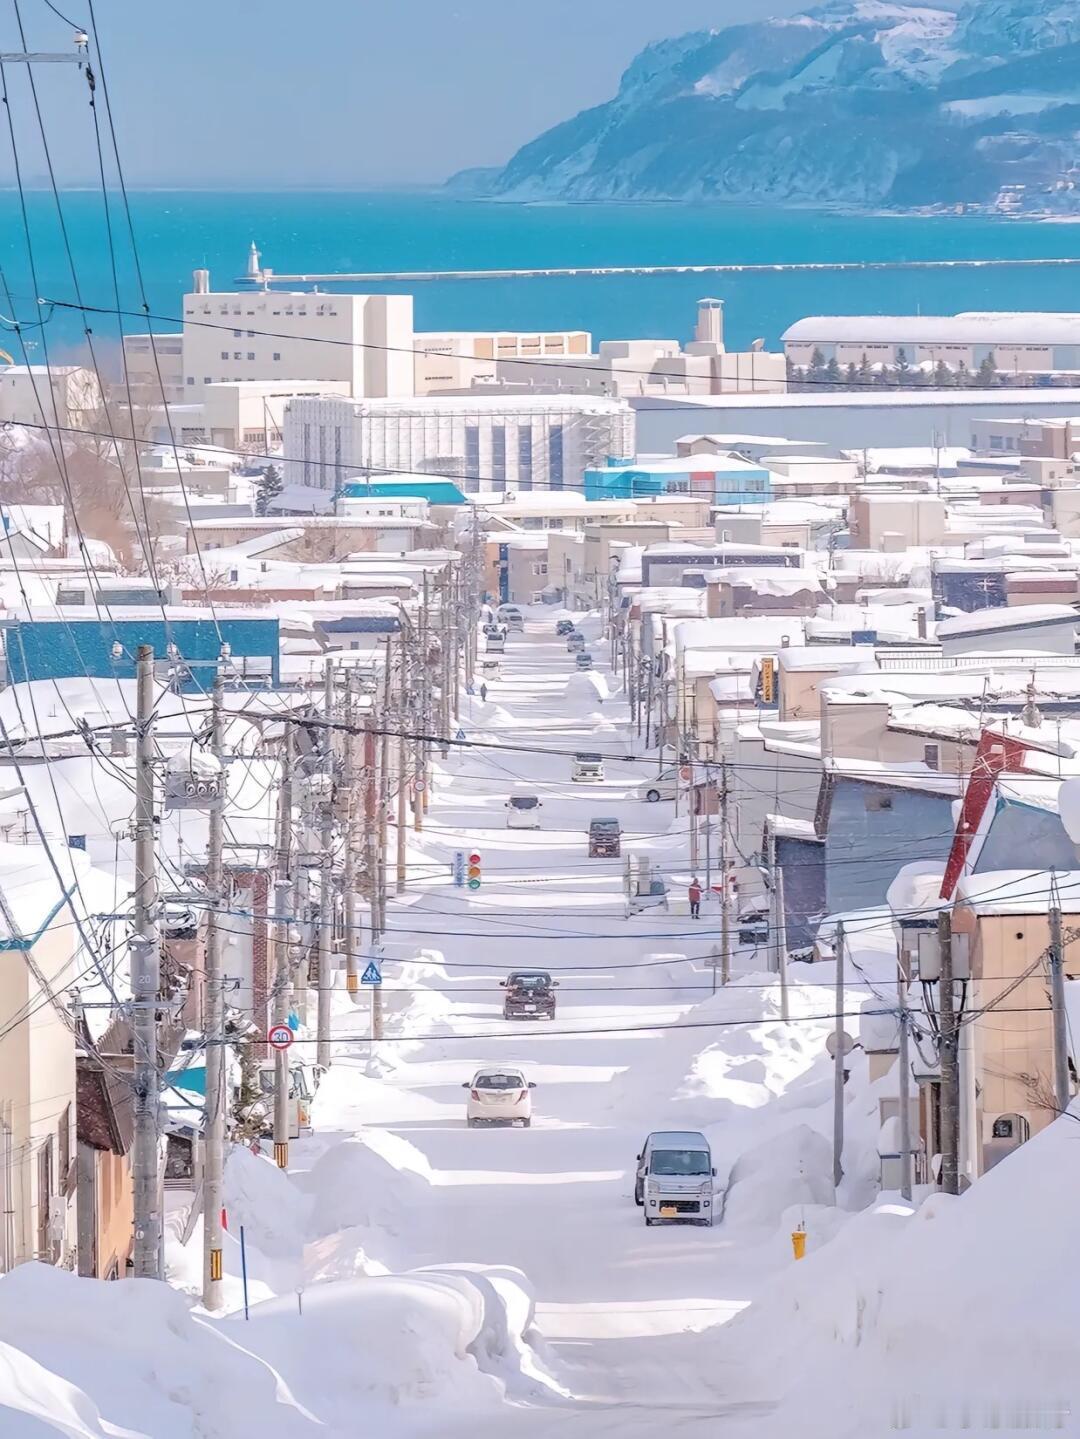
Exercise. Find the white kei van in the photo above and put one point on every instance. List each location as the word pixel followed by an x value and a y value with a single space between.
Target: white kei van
pixel 674 1177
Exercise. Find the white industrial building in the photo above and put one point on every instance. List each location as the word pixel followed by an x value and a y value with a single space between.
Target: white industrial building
pixel 641 367
pixel 362 341
pixel 516 442
pixel 64 395
pixel 1019 344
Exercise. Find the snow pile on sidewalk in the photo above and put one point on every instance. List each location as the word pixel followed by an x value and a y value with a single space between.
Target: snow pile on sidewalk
pixel 960 1316
pixel 586 692
pixel 96 1361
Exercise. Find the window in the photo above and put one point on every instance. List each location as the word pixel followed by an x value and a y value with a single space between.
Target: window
pixel 875 800
pixel 251 354
pixel 224 354
pixel 207 379
pixel 498 457
pixel 525 457
pixel 237 354
pixel 237 334
pixel 540 568
pixel 277 354
pixel 555 457
pixel 251 333
pixel 931 756
pixel 191 379
pixel 472 457
pixel 45 1192
pixel 63 1135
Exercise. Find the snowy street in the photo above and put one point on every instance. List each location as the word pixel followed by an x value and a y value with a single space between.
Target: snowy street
pixel 623 1312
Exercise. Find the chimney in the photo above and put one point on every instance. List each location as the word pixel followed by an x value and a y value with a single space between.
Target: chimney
pixel 920 616
pixel 201 281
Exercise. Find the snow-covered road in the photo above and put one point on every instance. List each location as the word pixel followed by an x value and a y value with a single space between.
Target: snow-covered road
pixel 619 1305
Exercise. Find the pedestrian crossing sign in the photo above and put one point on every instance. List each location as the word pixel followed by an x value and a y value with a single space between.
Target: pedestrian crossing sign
pixel 371 975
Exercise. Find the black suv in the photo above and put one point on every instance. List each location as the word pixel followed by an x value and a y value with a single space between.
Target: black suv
pixel 530 994
pixel 605 839
pixel 564 627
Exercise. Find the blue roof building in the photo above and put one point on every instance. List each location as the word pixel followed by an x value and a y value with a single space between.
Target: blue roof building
pixel 61 643
pixel 722 479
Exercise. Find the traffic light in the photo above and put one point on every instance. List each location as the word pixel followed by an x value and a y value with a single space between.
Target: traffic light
pixel 473 872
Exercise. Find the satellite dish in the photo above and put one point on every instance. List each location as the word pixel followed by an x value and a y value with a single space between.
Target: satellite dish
pixel 846 1042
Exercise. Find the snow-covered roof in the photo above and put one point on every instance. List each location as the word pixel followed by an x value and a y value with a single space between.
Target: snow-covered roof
pixel 775 580
pixel 1019 617
pixel 896 774
pixel 1018 891
pixel 699 464
pixel 757 633
pixel 835 658
pixel 972 327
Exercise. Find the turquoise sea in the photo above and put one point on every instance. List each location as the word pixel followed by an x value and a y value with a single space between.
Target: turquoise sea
pixel 297 231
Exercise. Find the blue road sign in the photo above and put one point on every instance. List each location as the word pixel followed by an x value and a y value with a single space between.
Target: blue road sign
pixel 371 975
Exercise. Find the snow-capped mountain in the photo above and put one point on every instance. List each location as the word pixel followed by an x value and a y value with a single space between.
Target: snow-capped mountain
pixel 871 102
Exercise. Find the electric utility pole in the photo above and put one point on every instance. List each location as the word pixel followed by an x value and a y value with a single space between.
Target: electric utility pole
pixel 214 1170
pixel 950 1069
pixel 725 887
pixel 1062 1085
pixel 402 776
pixel 326 880
pixel 145 985
pixel 282 915
pixel 839 1057
pixel 905 1086
pixel 348 862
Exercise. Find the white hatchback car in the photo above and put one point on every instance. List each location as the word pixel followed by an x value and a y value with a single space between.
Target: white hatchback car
pixel 499 1094
pixel 661 786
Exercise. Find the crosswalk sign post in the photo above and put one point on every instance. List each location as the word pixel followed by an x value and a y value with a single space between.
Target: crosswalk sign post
pixel 371 975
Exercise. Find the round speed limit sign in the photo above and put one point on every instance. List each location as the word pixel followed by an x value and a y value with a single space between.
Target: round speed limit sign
pixel 280 1036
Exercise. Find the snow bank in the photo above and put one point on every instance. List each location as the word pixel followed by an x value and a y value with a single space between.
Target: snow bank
pixel 585 690
pixel 130 1358
pixel 865 1320
pixel 374 1182
pixel 791 1170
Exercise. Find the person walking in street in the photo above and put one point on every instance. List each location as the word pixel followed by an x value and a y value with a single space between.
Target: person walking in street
pixel 483 692
pixel 694 894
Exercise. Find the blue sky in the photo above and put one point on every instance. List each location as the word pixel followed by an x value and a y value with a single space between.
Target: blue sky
pixel 335 92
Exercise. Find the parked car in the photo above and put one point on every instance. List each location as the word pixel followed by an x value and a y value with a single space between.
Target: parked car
pixel 605 839
pixel 564 627
pixel 662 786
pixel 498 1095
pixel 587 768
pixel 647 894
pixel 512 616
pixel 530 994
pixel 583 660
pixel 523 811
pixel 489 669
pixel 575 642
pixel 674 1178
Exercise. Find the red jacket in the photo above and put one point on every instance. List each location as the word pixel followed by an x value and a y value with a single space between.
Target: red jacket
pixel 695 893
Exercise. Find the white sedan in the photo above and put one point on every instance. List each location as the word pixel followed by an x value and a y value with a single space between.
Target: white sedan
pixel 498 1095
